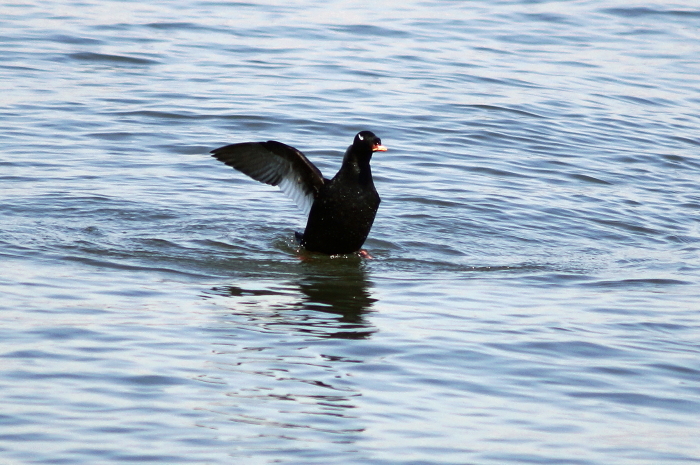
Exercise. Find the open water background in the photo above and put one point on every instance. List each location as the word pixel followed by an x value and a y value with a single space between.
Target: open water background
pixel 535 292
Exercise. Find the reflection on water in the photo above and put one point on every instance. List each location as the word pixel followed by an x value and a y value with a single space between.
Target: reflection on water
pixel 339 289
pixel 291 390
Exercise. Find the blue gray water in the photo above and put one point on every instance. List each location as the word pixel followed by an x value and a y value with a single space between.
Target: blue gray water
pixel 535 291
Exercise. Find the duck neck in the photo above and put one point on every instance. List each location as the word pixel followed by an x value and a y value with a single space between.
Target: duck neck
pixel 356 167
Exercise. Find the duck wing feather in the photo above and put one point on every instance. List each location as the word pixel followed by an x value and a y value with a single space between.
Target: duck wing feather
pixel 276 164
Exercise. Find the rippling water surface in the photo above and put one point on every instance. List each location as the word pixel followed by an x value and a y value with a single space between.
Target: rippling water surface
pixel 535 290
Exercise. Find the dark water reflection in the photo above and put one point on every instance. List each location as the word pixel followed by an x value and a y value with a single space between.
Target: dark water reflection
pixel 337 288
pixel 283 351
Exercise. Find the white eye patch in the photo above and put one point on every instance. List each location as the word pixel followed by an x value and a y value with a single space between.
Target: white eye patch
pixel 360 136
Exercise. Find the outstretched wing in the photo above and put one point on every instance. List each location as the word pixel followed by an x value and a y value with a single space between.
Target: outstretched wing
pixel 276 164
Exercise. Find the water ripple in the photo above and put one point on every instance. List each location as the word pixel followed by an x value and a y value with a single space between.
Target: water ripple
pixel 533 293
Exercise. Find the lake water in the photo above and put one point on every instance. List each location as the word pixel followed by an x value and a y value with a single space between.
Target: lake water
pixel 534 295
